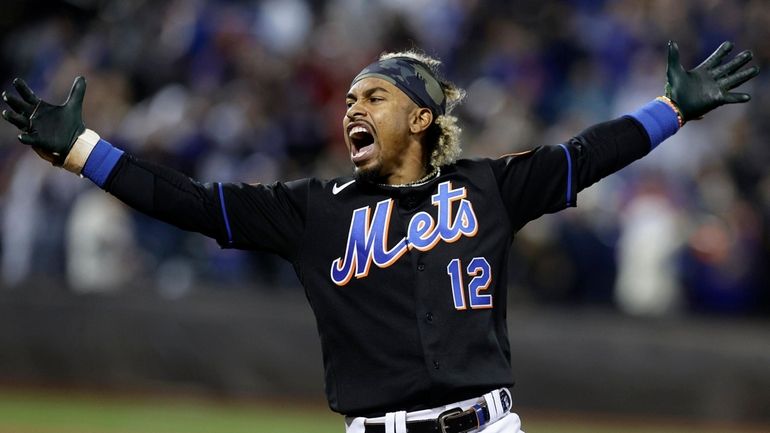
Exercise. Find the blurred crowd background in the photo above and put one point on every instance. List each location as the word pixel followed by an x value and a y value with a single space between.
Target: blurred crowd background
pixel 254 91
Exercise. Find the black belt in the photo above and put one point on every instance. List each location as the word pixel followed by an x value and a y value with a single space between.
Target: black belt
pixel 452 421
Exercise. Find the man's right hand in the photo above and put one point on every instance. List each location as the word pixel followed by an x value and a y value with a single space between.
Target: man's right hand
pixel 51 130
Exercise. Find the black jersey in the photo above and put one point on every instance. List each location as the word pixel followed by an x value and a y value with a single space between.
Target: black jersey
pixel 408 284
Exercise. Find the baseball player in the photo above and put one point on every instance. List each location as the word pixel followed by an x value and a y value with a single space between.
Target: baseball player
pixel 404 260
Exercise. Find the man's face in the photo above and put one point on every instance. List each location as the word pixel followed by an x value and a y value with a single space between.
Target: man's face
pixel 377 132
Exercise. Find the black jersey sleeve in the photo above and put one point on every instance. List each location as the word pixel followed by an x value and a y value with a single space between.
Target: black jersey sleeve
pixel 237 215
pixel 547 179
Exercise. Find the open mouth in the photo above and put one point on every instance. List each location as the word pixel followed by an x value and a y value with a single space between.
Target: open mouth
pixel 361 143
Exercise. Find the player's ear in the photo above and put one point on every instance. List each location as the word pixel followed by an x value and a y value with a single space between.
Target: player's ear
pixel 420 119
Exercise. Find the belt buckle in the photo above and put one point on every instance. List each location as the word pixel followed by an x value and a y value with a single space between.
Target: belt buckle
pixel 447 415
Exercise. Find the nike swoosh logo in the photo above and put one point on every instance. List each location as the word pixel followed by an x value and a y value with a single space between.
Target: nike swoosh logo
pixel 336 189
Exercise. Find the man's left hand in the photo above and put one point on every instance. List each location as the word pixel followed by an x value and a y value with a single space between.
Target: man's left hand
pixel 708 85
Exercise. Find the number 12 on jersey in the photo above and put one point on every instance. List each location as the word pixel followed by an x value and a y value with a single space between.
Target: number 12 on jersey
pixel 481 272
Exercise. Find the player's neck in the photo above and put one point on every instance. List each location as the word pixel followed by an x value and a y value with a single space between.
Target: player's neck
pixel 413 168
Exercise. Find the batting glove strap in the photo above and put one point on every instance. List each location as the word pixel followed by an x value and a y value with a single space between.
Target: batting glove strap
pixel 92 157
pixel 81 150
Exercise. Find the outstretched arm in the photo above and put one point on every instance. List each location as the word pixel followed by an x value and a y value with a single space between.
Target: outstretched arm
pixel 236 215
pixel 58 134
pixel 548 178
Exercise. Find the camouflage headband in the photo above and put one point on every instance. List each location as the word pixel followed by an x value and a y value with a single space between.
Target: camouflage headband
pixel 412 77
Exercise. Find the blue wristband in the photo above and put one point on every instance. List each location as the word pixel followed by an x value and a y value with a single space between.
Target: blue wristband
pixel 658 119
pixel 100 162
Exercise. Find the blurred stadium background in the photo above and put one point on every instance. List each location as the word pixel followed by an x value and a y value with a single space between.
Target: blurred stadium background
pixel 647 308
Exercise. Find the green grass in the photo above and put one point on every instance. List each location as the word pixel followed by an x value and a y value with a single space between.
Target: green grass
pixel 24 412
pixel 60 412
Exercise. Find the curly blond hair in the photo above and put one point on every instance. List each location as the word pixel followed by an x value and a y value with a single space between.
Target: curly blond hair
pixel 443 137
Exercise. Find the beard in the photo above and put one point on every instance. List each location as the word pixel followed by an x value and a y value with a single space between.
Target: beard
pixel 371 174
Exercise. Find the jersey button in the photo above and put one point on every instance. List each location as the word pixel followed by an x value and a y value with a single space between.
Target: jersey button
pixel 436 365
pixel 429 317
pixel 421 267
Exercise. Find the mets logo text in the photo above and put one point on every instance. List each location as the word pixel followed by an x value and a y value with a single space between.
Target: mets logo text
pixel 368 235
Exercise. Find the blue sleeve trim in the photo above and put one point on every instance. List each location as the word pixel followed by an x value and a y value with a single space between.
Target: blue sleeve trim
pixel 658 119
pixel 100 162
pixel 224 213
pixel 569 175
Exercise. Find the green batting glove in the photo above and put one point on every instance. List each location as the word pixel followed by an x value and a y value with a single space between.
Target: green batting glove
pixel 708 85
pixel 51 130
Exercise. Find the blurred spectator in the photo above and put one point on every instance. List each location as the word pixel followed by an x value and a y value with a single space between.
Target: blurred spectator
pixel 101 251
pixel 22 219
pixel 651 236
